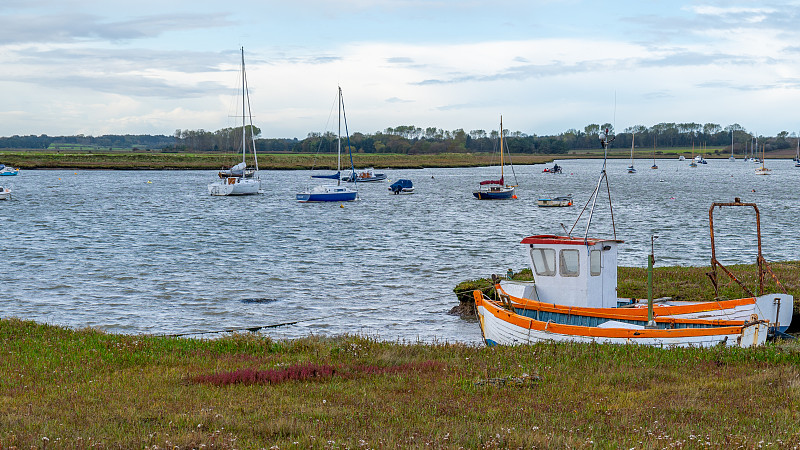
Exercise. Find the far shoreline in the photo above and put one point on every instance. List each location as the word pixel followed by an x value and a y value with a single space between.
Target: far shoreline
pixel 157 160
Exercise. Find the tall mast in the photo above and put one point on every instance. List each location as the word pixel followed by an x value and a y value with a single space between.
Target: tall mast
pixel 244 118
pixel 502 161
pixel 339 141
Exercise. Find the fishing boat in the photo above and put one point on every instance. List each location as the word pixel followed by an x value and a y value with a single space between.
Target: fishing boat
pixel 574 298
pixel 555 201
pixel 5 193
pixel 240 179
pixel 631 169
pixel 364 176
pixel 8 171
pixel 763 170
pixel 402 186
pixel 497 189
pixel 337 192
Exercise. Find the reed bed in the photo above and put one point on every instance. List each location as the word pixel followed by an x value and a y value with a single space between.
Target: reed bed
pixel 267 161
pixel 62 388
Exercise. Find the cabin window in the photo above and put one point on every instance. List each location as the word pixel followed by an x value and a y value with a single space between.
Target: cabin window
pixel 568 263
pixel 544 261
pixel 594 262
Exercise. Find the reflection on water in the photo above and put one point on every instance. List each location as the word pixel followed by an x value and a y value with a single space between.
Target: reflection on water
pixel 151 252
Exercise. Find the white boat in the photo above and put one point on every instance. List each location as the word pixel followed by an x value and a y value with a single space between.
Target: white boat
pixel 555 201
pixel 763 170
pixel 240 179
pixel 5 193
pixel 797 155
pixel 336 192
pixel 631 169
pixel 681 158
pixel 8 171
pixel 700 160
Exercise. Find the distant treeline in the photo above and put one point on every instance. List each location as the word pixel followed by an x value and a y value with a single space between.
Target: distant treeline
pixel 409 139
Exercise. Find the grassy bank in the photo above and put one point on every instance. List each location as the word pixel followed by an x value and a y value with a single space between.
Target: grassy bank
pixel 213 161
pixel 78 389
pixel 680 283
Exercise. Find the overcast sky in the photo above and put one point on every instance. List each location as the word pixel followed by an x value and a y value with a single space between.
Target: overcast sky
pixel 151 67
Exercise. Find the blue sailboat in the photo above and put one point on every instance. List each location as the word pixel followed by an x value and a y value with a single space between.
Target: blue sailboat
pixel 337 192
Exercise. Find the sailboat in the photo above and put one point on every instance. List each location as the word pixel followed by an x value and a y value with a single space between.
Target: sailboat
pixel 731 158
pixel 240 179
pixel 336 192
pixel 797 155
pixel 497 189
pixel 693 163
pixel 654 166
pixel 763 170
pixel 631 168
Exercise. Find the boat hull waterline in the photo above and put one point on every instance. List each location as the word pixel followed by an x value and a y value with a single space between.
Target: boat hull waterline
pixel 503 327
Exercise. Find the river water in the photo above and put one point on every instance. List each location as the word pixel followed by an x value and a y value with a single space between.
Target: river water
pixel 151 252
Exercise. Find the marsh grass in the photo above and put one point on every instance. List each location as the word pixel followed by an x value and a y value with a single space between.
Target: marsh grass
pixel 63 388
pixel 283 161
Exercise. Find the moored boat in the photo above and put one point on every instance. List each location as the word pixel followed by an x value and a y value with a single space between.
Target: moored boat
pixel 565 200
pixel 8 171
pixel 574 298
pixel 364 176
pixel 337 192
pixel 402 186
pixel 240 179
pixel 5 193
pixel 497 189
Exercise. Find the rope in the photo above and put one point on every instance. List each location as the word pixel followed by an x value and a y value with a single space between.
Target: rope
pixel 252 329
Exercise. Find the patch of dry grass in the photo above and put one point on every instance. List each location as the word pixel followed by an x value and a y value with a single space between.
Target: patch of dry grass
pixel 75 389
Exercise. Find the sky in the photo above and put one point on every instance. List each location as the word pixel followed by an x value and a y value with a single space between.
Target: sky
pixel 151 67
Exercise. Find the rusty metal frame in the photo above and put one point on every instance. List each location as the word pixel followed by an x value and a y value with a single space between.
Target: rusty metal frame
pixel 763 265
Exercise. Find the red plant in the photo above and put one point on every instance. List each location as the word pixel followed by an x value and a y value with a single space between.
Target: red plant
pixel 308 371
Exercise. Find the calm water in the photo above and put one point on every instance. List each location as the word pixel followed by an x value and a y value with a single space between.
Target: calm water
pixel 151 252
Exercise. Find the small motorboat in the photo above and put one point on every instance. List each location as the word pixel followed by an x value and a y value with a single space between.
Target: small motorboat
pixel 555 169
pixel 5 193
pixel 402 187
pixel 555 201
pixel 8 170
pixel 681 158
pixel 364 175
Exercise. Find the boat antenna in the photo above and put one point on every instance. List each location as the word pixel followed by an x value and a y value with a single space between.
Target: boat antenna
pixel 605 140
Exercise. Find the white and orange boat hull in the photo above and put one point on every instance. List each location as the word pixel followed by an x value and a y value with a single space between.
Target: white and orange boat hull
pixel 501 326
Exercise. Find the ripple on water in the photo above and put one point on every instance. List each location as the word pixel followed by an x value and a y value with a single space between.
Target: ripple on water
pixel 167 258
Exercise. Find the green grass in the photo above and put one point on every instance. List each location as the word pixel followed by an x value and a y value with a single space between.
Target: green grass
pixel 76 389
pixel 283 161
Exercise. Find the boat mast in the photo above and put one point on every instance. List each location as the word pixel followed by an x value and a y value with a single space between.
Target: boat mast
pixel 244 117
pixel 502 161
pixel 633 139
pixel 339 142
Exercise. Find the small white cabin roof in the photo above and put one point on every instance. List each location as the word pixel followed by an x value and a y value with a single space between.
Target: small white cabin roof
pixel 550 239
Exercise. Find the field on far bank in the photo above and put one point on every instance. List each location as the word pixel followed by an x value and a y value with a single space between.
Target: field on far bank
pixel 37 159
pixel 63 388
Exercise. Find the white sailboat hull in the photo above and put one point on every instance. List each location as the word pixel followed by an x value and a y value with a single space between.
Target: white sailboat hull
pixel 235 186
